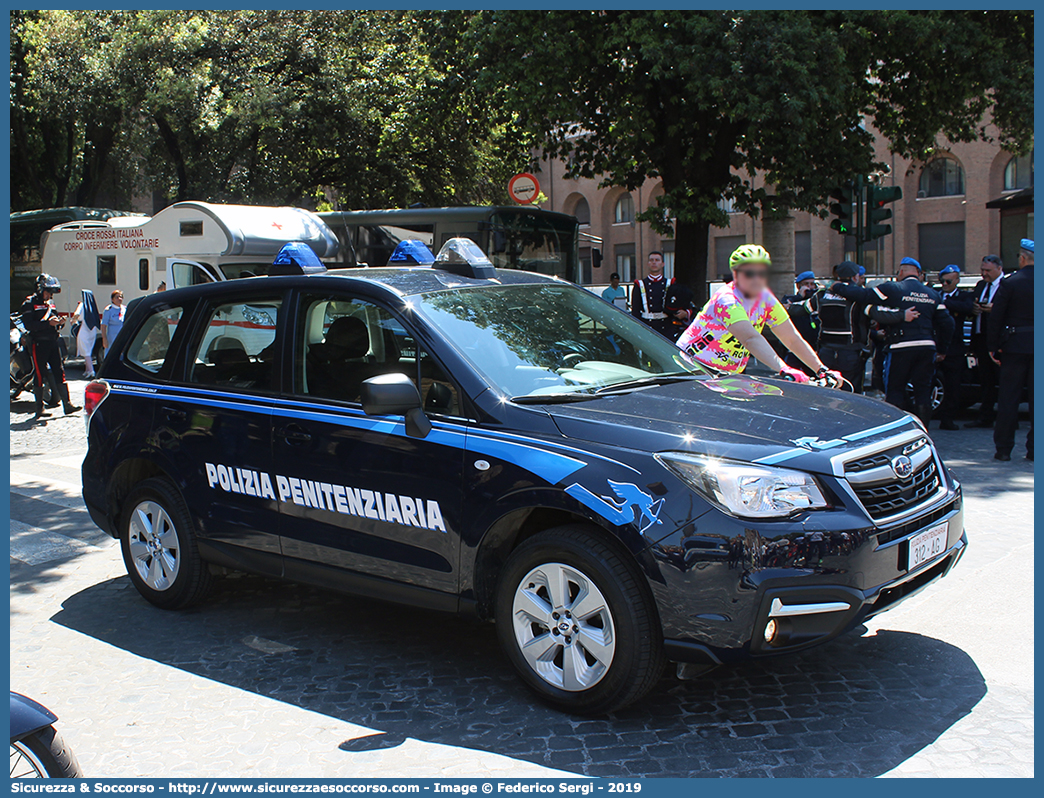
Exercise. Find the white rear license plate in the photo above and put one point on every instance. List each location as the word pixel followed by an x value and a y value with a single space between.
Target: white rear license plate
pixel 927 546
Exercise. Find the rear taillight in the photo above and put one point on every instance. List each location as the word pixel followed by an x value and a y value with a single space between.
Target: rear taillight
pixel 93 395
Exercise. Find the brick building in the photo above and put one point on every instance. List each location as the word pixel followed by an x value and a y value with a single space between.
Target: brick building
pixel 942 218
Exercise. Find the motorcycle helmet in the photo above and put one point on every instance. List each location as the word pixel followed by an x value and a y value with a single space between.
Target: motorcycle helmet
pixel 46 282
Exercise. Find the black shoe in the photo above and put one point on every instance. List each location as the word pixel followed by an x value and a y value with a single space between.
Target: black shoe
pixel 1002 456
pixel 70 409
pixel 41 414
pixel 979 424
pixel 53 405
pixel 948 425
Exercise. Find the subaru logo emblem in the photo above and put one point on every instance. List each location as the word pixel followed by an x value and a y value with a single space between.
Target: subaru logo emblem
pixel 902 466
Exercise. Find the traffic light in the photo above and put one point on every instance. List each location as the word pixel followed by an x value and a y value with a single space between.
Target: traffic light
pixel 846 209
pixel 876 212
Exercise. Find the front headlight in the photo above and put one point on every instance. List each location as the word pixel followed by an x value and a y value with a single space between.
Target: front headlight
pixel 747 490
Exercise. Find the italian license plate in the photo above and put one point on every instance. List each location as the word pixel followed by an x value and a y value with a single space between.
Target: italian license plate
pixel 927 546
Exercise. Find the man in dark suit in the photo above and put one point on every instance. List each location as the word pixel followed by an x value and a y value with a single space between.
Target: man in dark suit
pixel 992 271
pixel 950 362
pixel 1011 347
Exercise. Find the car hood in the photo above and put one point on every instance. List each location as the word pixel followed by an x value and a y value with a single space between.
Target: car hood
pixel 742 418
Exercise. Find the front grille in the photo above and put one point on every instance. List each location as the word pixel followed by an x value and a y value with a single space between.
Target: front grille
pixel 898 495
pixel 882 493
pixel 917 524
pixel 866 463
pixel 878 459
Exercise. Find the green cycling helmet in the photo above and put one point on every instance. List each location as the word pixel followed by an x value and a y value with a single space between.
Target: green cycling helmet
pixel 749 253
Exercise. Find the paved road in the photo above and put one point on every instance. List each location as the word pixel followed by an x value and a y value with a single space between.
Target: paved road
pixel 273 679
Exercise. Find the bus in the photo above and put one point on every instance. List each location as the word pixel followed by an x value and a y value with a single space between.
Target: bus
pixel 513 237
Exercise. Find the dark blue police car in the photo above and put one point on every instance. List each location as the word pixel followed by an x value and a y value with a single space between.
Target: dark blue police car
pixel 511 446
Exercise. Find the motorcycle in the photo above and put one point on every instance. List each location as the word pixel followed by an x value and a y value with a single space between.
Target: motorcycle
pixel 22 365
pixel 37 749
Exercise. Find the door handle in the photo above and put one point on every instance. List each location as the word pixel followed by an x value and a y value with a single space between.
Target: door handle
pixel 175 414
pixel 295 435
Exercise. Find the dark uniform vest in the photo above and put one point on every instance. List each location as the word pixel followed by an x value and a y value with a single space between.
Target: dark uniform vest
pixel 913 294
pixel 835 319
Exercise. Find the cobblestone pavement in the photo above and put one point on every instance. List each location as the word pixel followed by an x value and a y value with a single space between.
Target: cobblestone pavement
pixel 274 679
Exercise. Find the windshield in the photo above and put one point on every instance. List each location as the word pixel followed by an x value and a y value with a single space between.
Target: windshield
pixel 551 339
pixel 545 245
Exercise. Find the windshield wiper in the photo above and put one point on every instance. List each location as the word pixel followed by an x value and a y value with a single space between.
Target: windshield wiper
pixel 551 398
pixel 585 394
pixel 655 379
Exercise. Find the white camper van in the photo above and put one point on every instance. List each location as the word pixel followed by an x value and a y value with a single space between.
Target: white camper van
pixel 185 244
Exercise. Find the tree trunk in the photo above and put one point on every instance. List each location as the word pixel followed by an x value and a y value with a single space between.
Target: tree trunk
pixel 65 176
pixel 99 140
pixel 690 257
pixel 779 241
pixel 170 141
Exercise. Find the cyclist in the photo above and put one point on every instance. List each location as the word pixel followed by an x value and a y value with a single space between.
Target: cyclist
pixel 728 329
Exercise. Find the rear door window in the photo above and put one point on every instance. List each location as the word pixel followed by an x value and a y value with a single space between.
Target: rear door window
pixel 150 350
pixel 237 347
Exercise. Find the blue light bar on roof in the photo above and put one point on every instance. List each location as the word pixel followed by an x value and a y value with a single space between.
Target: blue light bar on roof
pixel 296 257
pixel 411 252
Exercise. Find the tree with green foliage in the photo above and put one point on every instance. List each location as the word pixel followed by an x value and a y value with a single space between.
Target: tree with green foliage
pixel 254 106
pixel 705 100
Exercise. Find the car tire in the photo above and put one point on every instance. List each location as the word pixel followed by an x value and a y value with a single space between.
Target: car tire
pixel 159 548
pixel 606 656
pixel 44 754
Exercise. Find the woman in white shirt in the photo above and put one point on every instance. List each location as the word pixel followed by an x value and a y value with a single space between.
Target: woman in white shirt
pixel 90 323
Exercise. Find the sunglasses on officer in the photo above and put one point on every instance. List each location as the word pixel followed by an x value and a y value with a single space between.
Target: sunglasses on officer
pixel 949 279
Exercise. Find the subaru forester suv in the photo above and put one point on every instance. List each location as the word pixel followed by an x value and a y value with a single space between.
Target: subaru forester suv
pixel 510 446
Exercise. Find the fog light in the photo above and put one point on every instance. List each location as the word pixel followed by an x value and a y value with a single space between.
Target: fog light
pixel 770 632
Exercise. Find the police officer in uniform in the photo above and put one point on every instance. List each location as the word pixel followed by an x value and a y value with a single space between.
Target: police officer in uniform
pixel 912 344
pixel 950 364
pixel 43 324
pixel 844 326
pixel 806 323
pixel 1011 345
pixel 657 300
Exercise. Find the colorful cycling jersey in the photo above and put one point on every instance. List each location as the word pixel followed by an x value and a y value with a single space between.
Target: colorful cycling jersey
pixel 708 339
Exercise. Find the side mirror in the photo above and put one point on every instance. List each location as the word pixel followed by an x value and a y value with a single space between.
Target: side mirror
pixel 395 395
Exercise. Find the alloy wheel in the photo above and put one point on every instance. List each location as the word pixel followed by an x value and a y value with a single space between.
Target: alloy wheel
pixel 154 547
pixel 563 626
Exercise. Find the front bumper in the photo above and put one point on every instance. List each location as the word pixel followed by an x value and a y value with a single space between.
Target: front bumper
pixel 718 586
pixel 810 615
